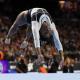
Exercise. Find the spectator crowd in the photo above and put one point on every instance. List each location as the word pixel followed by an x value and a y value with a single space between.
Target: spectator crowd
pixel 25 59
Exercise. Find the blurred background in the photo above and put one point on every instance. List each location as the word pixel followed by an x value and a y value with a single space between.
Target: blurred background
pixel 66 15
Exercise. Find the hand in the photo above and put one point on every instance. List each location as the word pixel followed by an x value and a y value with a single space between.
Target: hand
pixel 61 64
pixel 7 41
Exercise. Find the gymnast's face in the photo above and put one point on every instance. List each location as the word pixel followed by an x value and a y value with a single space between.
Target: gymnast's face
pixel 45 24
pixel 45 29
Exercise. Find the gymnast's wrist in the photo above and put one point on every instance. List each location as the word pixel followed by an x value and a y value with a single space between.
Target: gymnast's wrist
pixel 61 54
